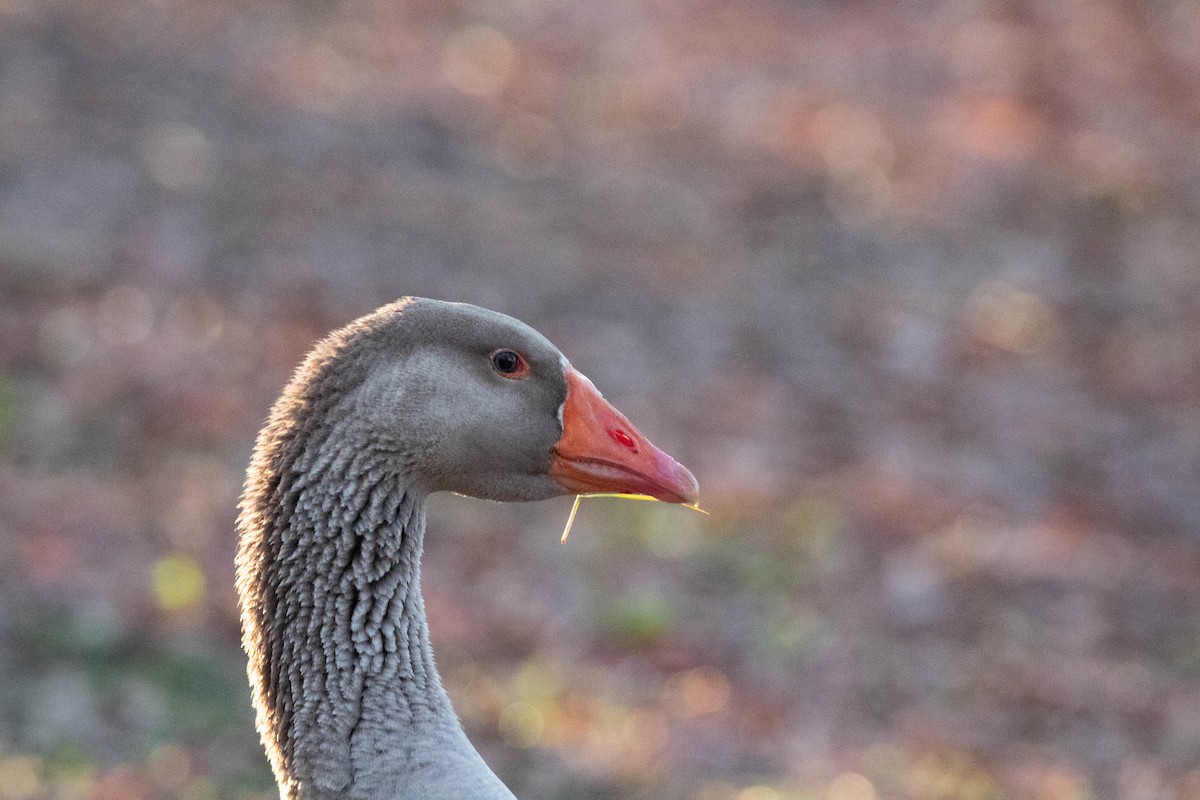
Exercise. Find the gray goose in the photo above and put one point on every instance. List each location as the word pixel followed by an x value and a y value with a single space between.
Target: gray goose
pixel 417 397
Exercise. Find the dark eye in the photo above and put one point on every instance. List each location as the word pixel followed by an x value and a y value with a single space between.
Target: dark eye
pixel 509 363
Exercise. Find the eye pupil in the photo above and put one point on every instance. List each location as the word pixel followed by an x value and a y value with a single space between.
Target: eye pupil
pixel 506 361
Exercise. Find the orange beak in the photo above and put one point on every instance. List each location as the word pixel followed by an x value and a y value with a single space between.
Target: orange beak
pixel 601 451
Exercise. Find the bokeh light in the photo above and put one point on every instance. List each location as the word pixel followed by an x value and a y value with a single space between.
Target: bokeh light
pixel 178 582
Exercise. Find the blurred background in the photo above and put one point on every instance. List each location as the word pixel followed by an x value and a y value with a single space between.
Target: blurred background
pixel 913 287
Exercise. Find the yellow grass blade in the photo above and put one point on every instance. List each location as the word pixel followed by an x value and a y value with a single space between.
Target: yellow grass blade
pixel 571 519
pixel 579 497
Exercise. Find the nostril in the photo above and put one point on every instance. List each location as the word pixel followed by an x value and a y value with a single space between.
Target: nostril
pixel 623 438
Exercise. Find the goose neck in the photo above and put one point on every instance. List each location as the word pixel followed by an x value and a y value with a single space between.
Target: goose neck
pixel 348 684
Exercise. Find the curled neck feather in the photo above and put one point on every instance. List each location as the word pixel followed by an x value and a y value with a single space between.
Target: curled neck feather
pixel 348 700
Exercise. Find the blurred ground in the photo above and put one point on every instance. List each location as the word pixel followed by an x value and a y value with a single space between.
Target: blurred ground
pixel 914 288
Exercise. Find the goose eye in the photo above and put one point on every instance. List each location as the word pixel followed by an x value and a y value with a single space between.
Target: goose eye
pixel 509 363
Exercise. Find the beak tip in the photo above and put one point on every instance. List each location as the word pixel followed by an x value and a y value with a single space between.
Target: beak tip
pixel 685 487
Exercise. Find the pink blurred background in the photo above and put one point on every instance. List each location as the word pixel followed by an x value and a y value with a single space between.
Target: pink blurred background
pixel 913 287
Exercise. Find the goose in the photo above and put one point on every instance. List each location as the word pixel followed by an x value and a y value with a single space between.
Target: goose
pixel 419 396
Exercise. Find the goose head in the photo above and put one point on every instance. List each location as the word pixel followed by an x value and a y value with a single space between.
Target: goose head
pixel 462 399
